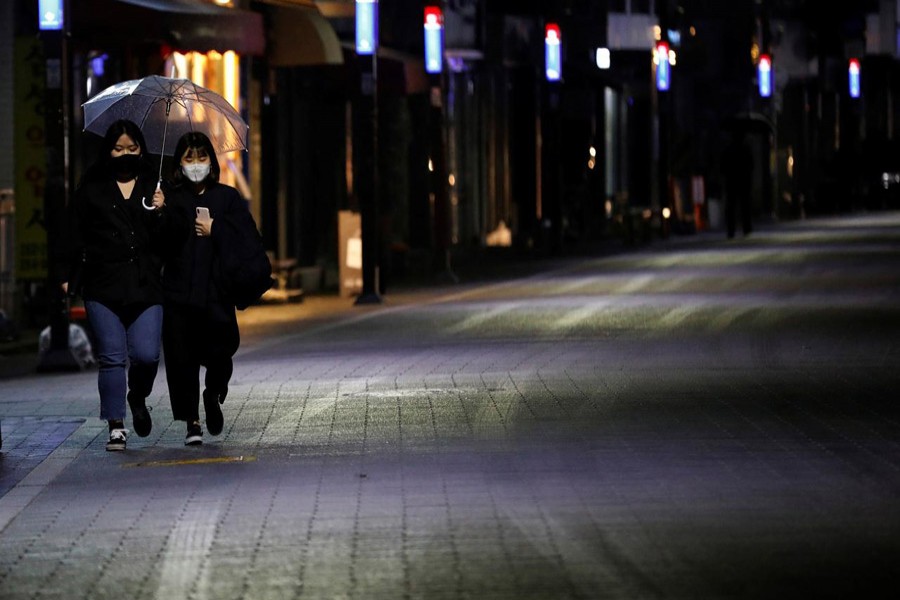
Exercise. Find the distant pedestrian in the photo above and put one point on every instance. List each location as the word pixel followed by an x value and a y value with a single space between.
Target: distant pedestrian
pixel 200 325
pixel 117 221
pixel 737 169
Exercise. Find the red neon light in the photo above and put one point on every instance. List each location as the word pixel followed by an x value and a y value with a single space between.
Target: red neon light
pixel 662 51
pixel 765 62
pixel 854 65
pixel 552 34
pixel 433 16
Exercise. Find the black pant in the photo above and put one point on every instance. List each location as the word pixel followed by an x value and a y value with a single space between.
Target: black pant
pixel 737 206
pixel 195 337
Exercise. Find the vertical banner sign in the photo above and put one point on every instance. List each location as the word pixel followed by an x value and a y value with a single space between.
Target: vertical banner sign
pixel 663 72
pixel 854 78
pixel 552 52
pixel 366 26
pixel 765 75
pixel 434 39
pixel 50 15
pixel 31 159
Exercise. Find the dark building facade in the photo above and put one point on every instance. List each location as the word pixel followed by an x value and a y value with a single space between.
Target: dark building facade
pixel 489 152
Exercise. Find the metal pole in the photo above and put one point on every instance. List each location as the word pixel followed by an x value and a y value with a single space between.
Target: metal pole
pixel 369 202
pixel 438 182
pixel 59 356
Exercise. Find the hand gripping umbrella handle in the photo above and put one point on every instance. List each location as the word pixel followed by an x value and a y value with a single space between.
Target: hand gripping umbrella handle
pixel 144 199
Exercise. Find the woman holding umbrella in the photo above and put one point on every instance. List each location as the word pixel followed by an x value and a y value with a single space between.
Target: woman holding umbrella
pixel 114 264
pixel 200 326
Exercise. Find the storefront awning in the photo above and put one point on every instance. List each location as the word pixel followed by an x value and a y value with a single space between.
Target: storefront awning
pixel 181 24
pixel 300 36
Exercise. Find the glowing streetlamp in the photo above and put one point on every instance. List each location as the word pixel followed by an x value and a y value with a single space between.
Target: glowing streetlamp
pixel 367 50
pixel 853 73
pixel 552 52
pixel 765 75
pixel 366 26
pixel 434 39
pixel 663 71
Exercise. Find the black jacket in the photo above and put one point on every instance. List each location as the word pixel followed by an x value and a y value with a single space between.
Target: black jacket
pixel 115 244
pixel 198 273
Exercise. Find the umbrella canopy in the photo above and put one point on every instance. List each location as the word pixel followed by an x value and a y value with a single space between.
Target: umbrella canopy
pixel 165 108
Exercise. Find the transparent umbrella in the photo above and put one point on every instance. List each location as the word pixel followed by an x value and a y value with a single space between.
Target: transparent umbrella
pixel 165 108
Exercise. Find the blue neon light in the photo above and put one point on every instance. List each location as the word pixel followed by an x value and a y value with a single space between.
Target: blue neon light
pixel 854 79
pixel 366 26
pixel 50 15
pixel 765 76
pixel 663 70
pixel 434 45
pixel 98 65
pixel 552 53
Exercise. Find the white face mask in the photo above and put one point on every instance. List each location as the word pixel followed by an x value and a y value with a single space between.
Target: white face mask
pixel 196 172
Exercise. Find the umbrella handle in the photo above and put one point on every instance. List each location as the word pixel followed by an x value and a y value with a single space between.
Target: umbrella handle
pixel 144 199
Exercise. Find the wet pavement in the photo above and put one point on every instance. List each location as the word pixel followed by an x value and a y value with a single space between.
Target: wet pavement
pixel 699 418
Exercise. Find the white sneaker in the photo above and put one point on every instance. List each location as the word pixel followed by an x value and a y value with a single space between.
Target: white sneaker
pixel 194 435
pixel 117 439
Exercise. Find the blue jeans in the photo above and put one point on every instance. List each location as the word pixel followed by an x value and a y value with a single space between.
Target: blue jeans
pixel 126 338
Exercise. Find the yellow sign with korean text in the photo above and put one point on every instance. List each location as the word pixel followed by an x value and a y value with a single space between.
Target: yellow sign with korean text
pixel 30 159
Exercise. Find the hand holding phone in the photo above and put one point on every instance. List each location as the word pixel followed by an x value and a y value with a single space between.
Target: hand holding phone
pixel 203 222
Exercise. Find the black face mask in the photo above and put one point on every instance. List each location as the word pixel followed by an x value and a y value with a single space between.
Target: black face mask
pixel 125 165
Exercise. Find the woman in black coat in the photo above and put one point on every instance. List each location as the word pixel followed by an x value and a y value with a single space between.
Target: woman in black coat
pixel 199 324
pixel 118 225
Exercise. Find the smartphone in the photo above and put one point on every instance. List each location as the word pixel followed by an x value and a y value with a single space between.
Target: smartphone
pixel 203 213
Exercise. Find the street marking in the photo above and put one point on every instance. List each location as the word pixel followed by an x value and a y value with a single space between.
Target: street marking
pixel 186 563
pixel 191 461
pixel 481 317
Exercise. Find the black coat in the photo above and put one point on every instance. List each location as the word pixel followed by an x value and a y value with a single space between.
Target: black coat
pixel 115 244
pixel 197 274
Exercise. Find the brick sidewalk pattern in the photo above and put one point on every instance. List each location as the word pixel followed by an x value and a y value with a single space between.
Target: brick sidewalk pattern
pixel 711 419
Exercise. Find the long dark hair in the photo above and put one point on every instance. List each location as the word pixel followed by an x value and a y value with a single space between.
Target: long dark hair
pixel 113 133
pixel 101 168
pixel 116 130
pixel 197 141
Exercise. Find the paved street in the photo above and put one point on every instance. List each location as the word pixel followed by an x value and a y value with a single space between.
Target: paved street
pixel 698 418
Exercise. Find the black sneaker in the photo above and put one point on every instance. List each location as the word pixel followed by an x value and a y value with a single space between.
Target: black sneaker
pixel 194 435
pixel 214 419
pixel 140 415
pixel 117 439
